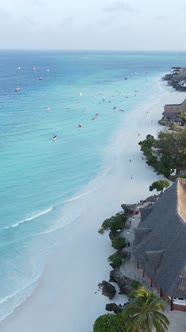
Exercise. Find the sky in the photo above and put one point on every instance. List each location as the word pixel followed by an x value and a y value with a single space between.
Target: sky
pixel 93 24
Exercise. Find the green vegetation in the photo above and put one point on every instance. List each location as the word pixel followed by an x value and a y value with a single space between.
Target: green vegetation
pixel 135 284
pixel 109 323
pixel 159 185
pixel 173 146
pixel 182 117
pixel 115 259
pixel 147 144
pixel 167 152
pixel 114 223
pixel 144 312
pixel 119 243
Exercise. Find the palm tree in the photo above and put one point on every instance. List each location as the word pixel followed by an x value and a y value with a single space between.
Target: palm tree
pixel 143 313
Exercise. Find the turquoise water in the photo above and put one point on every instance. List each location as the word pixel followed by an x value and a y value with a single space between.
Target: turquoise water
pixel 40 177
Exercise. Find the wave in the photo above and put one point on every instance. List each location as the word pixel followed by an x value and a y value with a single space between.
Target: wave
pixel 81 195
pixel 8 297
pixel 22 294
pixel 35 216
pixel 65 220
pixel 93 182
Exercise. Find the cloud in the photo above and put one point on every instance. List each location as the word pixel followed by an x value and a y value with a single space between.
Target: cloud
pixel 5 16
pixel 67 22
pixel 161 19
pixel 102 22
pixel 27 19
pixel 36 2
pixel 119 6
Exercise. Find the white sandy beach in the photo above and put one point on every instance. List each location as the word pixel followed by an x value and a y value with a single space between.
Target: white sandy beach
pixel 67 298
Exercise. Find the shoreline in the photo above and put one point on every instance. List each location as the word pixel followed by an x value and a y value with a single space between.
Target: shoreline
pixel 68 290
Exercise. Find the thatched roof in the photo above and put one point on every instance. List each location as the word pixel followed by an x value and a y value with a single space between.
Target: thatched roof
pixel 160 241
pixel 152 199
pixel 176 68
pixel 182 72
pixel 145 211
pixel 171 111
pixel 179 72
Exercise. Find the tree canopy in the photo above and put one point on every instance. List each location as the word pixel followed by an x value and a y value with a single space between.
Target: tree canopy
pixel 144 312
pixel 173 145
pixel 167 152
pixel 109 323
pixel 159 185
pixel 114 223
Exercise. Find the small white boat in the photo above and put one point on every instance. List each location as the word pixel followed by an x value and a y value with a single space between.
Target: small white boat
pixel 17 89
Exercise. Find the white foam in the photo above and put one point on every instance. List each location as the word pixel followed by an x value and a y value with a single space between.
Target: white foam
pixel 20 292
pixel 34 216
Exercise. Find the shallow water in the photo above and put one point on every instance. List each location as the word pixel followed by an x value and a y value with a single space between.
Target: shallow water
pixel 43 181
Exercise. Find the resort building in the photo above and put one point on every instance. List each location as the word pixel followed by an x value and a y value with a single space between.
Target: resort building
pixel 160 244
pixel 176 78
pixel 172 111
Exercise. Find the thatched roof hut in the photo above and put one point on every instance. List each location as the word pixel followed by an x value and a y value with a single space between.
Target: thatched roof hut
pixel 171 111
pixel 160 241
pixel 182 72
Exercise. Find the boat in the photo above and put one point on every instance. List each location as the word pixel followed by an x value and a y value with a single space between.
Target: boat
pixel 17 89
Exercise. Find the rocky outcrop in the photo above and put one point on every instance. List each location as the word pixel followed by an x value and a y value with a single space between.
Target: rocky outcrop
pixel 122 281
pixel 113 307
pixel 129 208
pixel 108 289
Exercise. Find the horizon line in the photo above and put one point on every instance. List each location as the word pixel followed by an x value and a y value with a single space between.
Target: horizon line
pixel 86 50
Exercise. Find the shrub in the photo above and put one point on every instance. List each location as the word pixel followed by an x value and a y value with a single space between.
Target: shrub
pixel 115 260
pixel 114 223
pixel 109 323
pixel 119 243
pixel 147 143
pixel 159 185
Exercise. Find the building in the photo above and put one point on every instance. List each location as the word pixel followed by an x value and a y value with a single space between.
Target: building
pixel 172 111
pixel 160 244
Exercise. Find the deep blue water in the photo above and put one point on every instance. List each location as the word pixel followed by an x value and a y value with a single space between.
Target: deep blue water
pixel 40 176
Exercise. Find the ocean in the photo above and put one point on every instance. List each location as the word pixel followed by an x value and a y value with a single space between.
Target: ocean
pixel 56 146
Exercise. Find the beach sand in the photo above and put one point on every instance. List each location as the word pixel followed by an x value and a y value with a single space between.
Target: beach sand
pixel 67 298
